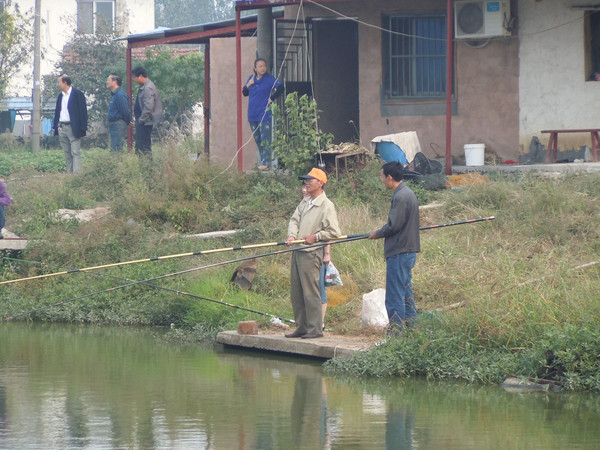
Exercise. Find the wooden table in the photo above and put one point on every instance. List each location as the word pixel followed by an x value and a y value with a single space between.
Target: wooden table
pixel 553 142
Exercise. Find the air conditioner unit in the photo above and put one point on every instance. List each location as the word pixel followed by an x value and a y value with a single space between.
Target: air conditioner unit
pixel 481 19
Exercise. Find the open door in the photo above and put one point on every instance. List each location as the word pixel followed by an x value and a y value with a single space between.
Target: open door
pixel 335 56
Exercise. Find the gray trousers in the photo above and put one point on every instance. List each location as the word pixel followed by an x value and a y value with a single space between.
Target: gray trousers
pixel 305 293
pixel 72 148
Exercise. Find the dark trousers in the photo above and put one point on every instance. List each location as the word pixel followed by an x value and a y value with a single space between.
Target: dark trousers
pixel 117 131
pixel 143 141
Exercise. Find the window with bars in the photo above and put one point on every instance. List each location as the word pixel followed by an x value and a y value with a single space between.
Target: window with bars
pixel 95 16
pixel 414 56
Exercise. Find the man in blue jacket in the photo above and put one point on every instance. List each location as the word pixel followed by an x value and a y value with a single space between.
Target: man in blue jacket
pixel 70 122
pixel 119 113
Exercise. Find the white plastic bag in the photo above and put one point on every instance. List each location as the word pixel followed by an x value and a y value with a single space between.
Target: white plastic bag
pixel 374 313
pixel 332 276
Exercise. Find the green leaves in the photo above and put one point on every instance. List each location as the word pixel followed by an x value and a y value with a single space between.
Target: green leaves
pixel 16 44
pixel 297 138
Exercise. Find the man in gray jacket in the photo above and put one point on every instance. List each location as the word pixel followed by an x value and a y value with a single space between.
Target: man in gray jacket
pixel 148 111
pixel 401 245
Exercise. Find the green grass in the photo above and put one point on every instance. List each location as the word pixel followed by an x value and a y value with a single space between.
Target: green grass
pixel 495 296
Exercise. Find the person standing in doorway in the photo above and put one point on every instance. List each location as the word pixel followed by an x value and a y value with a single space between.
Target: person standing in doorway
pixel 148 111
pixel 70 122
pixel 401 245
pixel 261 89
pixel 119 114
pixel 313 220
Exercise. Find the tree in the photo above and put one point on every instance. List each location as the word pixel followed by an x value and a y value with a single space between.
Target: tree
pixel 179 13
pixel 88 59
pixel 297 137
pixel 16 43
pixel 179 80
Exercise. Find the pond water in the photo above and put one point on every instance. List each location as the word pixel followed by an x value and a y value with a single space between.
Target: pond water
pixel 87 387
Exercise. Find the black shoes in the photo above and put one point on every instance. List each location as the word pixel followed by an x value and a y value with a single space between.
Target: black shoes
pixel 295 334
pixel 312 336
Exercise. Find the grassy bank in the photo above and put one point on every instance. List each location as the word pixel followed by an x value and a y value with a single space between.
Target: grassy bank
pixel 495 297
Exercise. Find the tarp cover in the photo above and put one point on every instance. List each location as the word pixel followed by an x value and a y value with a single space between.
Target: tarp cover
pixel 408 141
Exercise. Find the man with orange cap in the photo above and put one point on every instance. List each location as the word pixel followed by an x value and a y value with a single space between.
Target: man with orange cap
pixel 314 220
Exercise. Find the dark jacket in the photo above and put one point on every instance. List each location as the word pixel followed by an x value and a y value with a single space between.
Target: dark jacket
pixel 118 107
pixel 401 232
pixel 77 111
pixel 148 108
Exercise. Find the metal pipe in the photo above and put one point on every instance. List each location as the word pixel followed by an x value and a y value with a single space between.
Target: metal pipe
pixel 449 83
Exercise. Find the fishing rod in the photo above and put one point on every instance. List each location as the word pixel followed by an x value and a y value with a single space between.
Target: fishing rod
pixel 161 258
pixel 224 249
pixel 461 222
pixel 149 280
pixel 182 272
pixel 176 291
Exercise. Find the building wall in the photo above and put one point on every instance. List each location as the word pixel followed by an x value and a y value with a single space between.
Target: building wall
pixel 486 86
pixel 554 89
pixel 223 110
pixel 59 20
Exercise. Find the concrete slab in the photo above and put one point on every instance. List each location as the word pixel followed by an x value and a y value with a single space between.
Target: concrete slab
pixel 578 167
pixel 13 244
pixel 327 347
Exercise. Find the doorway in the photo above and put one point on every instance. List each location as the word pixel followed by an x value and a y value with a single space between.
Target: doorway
pixel 335 56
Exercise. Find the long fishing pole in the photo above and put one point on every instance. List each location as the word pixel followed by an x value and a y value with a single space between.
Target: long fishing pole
pixel 460 222
pixel 161 258
pixel 224 249
pixel 182 272
pixel 149 280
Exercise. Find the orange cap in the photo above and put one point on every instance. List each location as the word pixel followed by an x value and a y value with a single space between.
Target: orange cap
pixel 315 173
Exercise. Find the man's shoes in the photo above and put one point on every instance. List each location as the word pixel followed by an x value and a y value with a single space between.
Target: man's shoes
pixel 295 334
pixel 312 336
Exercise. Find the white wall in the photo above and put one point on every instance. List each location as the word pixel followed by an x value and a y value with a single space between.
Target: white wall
pixel 553 90
pixel 59 19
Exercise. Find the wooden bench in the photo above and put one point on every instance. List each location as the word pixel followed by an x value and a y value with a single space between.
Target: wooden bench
pixel 553 142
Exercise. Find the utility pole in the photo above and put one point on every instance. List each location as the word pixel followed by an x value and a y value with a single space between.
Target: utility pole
pixel 36 95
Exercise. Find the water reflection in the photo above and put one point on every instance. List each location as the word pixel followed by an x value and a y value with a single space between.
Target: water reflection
pixel 71 387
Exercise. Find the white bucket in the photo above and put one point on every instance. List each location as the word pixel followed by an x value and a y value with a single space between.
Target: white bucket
pixel 474 154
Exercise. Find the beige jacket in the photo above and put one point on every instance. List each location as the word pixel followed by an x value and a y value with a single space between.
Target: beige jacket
pixel 319 218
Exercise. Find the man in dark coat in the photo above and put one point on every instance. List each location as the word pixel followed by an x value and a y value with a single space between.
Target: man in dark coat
pixel 70 122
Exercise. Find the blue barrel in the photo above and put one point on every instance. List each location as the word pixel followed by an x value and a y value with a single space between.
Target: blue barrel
pixel 388 151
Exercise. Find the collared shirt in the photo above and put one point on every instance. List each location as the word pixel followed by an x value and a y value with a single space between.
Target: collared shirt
pixel 401 232
pixel 315 216
pixel 64 107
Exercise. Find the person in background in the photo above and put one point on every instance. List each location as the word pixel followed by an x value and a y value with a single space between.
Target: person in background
pixel 119 114
pixel 261 89
pixel 5 200
pixel 148 111
pixel 402 242
pixel 313 220
pixel 70 122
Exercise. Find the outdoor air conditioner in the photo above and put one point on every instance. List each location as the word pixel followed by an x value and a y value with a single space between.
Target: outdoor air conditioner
pixel 481 19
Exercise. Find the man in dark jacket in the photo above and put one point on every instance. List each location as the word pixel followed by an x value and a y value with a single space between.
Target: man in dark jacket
pixel 119 114
pixel 70 122
pixel 402 242
pixel 148 111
